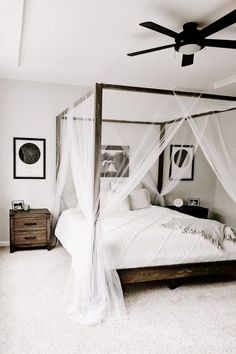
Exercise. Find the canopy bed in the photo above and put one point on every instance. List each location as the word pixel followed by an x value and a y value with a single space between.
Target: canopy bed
pixel 110 193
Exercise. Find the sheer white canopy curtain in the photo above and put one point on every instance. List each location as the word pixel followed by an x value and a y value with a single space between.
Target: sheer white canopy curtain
pixel 214 145
pixel 217 151
pixel 127 154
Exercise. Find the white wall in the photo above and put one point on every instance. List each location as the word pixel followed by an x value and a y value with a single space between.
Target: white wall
pixel 29 109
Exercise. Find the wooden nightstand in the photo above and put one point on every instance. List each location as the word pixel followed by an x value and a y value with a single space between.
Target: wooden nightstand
pixel 30 229
pixel 197 211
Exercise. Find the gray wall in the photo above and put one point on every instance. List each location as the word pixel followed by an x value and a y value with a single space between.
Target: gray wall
pixel 224 207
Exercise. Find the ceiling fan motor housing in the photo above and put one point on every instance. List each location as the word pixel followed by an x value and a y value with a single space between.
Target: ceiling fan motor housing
pixel 189 41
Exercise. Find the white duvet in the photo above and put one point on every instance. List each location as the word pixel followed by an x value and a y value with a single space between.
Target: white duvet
pixel 142 238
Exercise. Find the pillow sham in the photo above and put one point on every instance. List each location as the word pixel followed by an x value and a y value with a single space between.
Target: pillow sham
pixel 107 195
pixel 124 204
pixel 140 199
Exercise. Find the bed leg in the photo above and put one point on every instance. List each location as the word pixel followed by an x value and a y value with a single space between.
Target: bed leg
pixel 173 283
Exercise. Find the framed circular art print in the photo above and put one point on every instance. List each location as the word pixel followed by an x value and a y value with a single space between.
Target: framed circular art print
pixel 29 158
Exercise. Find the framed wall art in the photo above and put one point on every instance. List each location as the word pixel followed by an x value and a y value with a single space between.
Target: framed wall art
pixel 181 162
pixel 29 160
pixel 115 161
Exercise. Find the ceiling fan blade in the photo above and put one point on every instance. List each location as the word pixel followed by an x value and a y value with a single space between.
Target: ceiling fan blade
pixel 218 25
pixel 155 27
pixel 219 43
pixel 187 60
pixel 150 50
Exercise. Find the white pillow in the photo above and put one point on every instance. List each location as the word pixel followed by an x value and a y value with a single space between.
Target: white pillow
pixel 139 199
pixel 105 197
pixel 124 205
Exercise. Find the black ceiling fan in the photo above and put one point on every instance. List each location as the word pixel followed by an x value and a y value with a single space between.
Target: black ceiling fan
pixel 191 39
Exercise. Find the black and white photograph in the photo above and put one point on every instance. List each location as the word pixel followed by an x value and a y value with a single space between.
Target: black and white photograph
pixel 17 204
pixel 115 161
pixel 181 162
pixel 29 158
pixel 192 201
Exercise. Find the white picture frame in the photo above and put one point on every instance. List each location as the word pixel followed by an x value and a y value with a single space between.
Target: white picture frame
pixel 181 162
pixel 17 204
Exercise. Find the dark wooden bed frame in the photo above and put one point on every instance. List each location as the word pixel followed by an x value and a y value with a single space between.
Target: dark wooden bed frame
pixel 172 273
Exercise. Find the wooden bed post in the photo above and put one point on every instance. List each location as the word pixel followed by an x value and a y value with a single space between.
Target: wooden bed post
pixel 161 160
pixel 97 145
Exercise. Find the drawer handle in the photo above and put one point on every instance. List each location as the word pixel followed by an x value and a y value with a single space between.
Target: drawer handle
pixel 30 223
pixel 30 237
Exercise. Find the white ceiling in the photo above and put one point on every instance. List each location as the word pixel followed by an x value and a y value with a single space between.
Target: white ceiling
pixel 84 41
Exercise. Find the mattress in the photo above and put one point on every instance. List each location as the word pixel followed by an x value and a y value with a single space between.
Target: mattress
pixel 139 238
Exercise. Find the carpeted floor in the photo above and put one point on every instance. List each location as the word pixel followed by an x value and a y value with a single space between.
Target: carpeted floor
pixel 198 317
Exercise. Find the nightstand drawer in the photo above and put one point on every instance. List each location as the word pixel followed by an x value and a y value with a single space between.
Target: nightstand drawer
pixel 29 223
pixel 30 238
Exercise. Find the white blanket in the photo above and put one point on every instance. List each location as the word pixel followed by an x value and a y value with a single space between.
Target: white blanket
pixel 140 238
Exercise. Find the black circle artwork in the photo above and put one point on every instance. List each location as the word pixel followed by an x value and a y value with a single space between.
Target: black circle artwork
pixel 29 153
pixel 182 158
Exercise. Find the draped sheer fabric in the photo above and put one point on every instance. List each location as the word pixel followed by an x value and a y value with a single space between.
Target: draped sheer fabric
pixel 208 134
pixel 218 155
pixel 93 290
pixel 143 164
pixel 204 133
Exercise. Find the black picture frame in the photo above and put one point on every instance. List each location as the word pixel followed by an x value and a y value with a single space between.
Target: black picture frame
pixel 188 149
pixel 193 201
pixel 34 150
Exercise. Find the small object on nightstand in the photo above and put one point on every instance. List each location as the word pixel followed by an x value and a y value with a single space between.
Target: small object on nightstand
pixel 193 201
pixel 30 229
pixel 178 202
pixel 26 207
pixel 197 211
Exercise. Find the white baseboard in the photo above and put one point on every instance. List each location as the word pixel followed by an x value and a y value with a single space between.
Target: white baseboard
pixel 4 243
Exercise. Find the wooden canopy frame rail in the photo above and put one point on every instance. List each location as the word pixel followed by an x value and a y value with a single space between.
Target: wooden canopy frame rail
pixel 169 272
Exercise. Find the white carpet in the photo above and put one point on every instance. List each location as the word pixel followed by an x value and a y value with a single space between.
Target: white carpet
pixel 196 318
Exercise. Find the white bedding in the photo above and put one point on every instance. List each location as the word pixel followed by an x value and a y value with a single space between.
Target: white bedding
pixel 139 239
